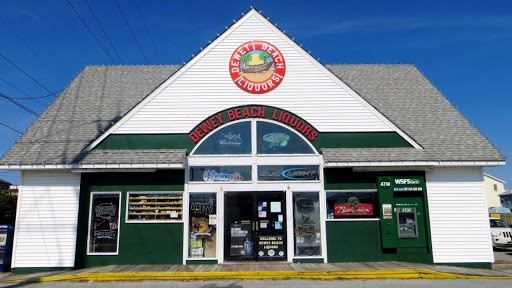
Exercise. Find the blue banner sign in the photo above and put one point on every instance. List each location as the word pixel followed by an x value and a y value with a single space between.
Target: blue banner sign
pixel 287 172
pixel 220 173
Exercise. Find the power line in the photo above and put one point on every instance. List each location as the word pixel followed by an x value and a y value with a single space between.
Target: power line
pixel 133 35
pixel 31 98
pixel 20 105
pixel 94 36
pixel 25 73
pixel 98 21
pixel 44 96
pixel 10 128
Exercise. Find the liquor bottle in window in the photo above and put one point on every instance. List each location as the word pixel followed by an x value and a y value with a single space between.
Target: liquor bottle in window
pixel 247 246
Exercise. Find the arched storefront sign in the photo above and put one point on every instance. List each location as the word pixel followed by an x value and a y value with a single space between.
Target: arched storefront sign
pixel 253 112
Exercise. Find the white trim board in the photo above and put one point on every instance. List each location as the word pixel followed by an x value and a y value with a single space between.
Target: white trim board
pixel 107 167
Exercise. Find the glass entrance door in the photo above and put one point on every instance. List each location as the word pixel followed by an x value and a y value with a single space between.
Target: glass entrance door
pixel 255 227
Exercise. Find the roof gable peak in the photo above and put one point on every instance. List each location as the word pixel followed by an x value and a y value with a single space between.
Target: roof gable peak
pixel 253 27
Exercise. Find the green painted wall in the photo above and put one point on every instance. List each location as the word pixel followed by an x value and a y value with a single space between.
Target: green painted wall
pixel 147 141
pixel 308 260
pixel 202 262
pixel 345 178
pixel 359 241
pixel 139 243
pixel 324 140
pixel 31 270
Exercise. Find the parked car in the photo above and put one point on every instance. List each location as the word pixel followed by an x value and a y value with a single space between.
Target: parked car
pixel 501 233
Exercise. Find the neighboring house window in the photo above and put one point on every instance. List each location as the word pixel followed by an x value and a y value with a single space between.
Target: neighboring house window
pixel 495 187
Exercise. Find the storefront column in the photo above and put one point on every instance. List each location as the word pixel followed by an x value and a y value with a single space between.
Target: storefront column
pixel 220 225
pixel 323 217
pixel 289 224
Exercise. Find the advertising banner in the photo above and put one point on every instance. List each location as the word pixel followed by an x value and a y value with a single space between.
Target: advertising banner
pixel 287 172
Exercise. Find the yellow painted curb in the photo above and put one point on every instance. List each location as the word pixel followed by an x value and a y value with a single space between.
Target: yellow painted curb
pixel 318 275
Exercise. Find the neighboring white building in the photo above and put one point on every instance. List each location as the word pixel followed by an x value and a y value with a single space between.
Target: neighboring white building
pixel 493 187
pixel 506 199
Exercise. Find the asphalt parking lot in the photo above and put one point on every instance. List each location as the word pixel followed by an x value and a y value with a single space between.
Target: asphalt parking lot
pixel 503 256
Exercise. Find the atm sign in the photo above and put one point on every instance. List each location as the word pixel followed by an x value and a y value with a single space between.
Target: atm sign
pixel 407 181
pixel 405 210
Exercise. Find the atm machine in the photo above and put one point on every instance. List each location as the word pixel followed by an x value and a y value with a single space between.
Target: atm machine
pixel 6 235
pixel 403 215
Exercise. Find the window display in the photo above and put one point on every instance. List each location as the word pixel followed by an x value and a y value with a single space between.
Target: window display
pixel 352 204
pixel 203 225
pixel 154 207
pixel 220 173
pixel 104 225
pixel 276 139
pixel 306 217
pixel 232 139
pixel 288 172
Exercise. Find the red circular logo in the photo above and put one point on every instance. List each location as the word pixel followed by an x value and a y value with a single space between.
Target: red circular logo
pixel 257 67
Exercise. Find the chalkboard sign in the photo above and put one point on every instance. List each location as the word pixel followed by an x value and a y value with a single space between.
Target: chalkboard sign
pixel 104 228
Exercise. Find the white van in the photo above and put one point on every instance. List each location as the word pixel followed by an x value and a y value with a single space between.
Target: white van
pixel 501 233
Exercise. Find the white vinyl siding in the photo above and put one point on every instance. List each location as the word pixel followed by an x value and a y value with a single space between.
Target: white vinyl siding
pixel 206 88
pixel 458 216
pixel 47 215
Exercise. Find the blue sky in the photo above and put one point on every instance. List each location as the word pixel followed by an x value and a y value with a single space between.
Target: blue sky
pixel 463 47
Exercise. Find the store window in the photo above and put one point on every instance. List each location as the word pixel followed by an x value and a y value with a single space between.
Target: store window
pixel 104 223
pixel 203 225
pixel 232 139
pixel 352 204
pixel 288 172
pixel 306 217
pixel 276 139
pixel 220 173
pixel 154 207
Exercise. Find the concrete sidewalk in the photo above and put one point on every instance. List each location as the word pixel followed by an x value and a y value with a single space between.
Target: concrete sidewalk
pixel 269 270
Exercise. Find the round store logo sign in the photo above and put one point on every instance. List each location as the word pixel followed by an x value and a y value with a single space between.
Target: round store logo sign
pixel 257 67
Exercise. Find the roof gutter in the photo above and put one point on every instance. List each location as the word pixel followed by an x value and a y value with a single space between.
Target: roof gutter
pixel 92 166
pixel 416 163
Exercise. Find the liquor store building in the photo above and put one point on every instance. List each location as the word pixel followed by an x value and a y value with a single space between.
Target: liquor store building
pixel 251 151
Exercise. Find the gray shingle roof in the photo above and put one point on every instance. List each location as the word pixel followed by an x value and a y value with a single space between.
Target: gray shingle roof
pixel 101 95
pixel 410 101
pixel 98 97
